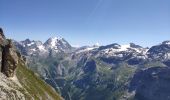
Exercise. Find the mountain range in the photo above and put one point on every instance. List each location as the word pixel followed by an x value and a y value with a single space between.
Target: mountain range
pixel 111 72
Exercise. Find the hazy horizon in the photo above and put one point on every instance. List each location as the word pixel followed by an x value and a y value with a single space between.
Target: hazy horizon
pixel 87 22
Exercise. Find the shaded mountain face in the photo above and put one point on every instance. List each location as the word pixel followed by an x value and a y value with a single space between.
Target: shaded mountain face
pixel 96 72
pixel 151 84
pixel 16 81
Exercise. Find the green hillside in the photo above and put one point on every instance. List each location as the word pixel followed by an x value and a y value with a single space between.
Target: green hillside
pixel 35 87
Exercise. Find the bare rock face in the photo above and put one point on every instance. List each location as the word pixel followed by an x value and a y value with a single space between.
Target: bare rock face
pixel 9 57
pixel 9 60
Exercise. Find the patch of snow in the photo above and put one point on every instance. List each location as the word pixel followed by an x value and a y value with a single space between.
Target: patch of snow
pixel 64 42
pixel 117 52
pixel 91 48
pixel 56 50
pixel 166 42
pixel 124 47
pixel 30 44
pixel 112 51
pixel 87 49
pixel 41 48
pixel 54 41
pixel 97 44
pixel 33 49
pixel 120 55
pixel 167 56
pixel 154 73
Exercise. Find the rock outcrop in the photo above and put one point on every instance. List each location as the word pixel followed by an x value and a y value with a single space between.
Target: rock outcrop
pixel 9 58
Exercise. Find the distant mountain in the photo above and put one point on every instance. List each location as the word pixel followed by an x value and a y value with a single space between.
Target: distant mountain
pixel 57 44
pixel 96 72
pixel 51 47
pixel 160 52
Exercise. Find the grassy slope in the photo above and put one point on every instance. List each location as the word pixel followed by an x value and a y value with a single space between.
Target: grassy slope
pixel 37 88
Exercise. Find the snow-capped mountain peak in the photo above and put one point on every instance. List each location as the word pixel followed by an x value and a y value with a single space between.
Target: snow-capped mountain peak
pixel 54 40
pixel 53 44
pixel 116 50
pixel 57 44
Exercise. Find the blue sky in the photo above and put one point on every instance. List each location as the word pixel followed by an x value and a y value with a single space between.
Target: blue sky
pixel 86 22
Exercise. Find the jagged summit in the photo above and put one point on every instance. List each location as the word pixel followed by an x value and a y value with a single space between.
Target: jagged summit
pixel 27 41
pixel 53 44
pixel 57 43
pixel 53 41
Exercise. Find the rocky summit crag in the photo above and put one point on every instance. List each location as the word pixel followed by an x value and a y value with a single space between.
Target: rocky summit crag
pixel 9 59
pixel 111 72
pixel 17 82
